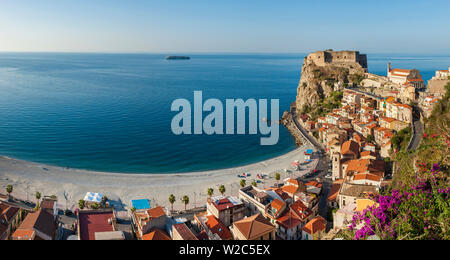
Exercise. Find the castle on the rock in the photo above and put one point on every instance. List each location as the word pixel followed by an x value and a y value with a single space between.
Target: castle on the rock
pixel 350 59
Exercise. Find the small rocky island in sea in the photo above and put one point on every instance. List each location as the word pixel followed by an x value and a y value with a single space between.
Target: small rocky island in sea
pixel 178 58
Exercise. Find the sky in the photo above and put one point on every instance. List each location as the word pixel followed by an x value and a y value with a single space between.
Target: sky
pixel 222 26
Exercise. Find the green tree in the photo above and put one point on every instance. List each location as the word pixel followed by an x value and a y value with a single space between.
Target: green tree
pixel 222 189
pixel 254 184
pixel 9 189
pixel 81 204
pixel 133 209
pixel 38 196
pixel 242 183
pixel 95 206
pixel 277 177
pixel 185 201
pixel 172 200
pixel 210 192
pixel 370 138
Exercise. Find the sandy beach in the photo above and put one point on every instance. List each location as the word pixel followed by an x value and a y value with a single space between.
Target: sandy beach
pixel 70 185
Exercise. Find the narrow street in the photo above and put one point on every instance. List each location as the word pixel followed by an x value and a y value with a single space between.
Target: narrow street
pixel 322 170
pixel 418 133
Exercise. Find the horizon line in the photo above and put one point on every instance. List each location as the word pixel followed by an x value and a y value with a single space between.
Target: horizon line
pixel 210 53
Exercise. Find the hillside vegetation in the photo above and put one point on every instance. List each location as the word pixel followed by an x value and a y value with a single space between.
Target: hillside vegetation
pixel 416 206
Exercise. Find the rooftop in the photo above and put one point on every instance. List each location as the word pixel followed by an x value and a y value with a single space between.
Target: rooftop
pixel 223 203
pixel 184 232
pixel 254 226
pixel 315 225
pixel 217 227
pixel 41 221
pixel 356 190
pixel 91 222
pixel 335 187
pixel 156 234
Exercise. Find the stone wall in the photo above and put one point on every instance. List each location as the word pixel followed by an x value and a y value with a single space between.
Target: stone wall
pixel 340 58
pixel 437 86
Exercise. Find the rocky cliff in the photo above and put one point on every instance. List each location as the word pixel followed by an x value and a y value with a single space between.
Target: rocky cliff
pixel 326 71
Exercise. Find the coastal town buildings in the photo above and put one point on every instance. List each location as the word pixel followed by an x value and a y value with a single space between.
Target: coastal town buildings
pixel 9 219
pixel 96 224
pixel 182 232
pixel 442 74
pixel 226 209
pixel 39 225
pixel 256 227
pixel 402 76
pixel 147 221
pixel 314 229
pixel 211 227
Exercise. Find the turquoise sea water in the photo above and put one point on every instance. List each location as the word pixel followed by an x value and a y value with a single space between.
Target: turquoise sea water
pixel 111 112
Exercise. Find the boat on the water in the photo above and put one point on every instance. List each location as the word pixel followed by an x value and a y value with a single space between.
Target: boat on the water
pixel 178 58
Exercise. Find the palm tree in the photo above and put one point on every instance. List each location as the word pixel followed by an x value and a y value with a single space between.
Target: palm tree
pixel 172 200
pixel 38 196
pixel 243 182
pixel 254 184
pixel 185 200
pixel 210 192
pixel 277 177
pixel 9 189
pixel 222 189
pixel 133 209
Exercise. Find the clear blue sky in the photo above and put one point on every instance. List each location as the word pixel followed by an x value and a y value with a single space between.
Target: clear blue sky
pixel 224 25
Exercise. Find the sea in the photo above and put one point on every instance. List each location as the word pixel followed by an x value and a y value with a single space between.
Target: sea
pixel 112 112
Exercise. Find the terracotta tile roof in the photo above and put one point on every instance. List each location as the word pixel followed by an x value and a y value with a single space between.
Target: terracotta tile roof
pixel 185 232
pixel 368 153
pixel 294 182
pixel 401 70
pixel 23 234
pixel 217 227
pixel 290 189
pixel 335 187
pixel 7 213
pixel 289 220
pixel 367 176
pixel 156 212
pixel 315 225
pixel 41 221
pixel 350 148
pixel 301 210
pixel 415 80
pixel 282 194
pixel 156 234
pixel 314 183
pixel 277 204
pixel 254 226
pixel 387 119
pixel 366 165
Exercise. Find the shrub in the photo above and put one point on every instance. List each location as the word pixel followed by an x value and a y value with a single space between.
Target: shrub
pixel 416 211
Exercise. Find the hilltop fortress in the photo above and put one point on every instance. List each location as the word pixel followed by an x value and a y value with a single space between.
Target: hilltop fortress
pixel 346 59
pixel 326 71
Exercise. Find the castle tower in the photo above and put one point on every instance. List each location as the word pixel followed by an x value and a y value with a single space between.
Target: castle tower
pixel 389 69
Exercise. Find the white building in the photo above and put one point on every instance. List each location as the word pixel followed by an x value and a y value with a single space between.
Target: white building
pixel 402 76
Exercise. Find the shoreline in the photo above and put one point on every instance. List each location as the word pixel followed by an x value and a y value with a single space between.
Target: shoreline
pixel 29 177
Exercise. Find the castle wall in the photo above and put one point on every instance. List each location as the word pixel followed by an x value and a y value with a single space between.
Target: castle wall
pixel 346 58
